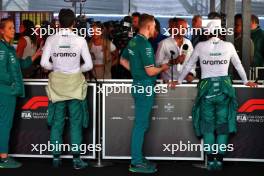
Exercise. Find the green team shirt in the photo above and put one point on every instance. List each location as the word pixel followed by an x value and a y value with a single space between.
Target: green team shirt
pixel 140 55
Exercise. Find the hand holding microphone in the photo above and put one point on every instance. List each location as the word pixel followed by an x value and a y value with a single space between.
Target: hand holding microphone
pixel 181 58
pixel 184 52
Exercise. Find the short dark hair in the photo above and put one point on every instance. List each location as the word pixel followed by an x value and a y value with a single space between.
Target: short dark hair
pixel 214 15
pixel 238 16
pixel 144 19
pixel 136 14
pixel 98 24
pixel 66 18
pixel 254 19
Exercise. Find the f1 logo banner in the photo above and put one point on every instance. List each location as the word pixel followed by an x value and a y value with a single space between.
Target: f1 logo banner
pixel 252 105
pixel 248 141
pixel 30 123
pixel 36 103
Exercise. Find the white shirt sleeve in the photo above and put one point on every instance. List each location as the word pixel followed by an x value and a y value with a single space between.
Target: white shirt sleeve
pixel 190 51
pixel 237 64
pixel 160 54
pixel 190 64
pixel 45 63
pixel 88 64
pixel 112 47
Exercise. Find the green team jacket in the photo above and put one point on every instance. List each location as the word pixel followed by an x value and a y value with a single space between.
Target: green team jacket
pixel 203 87
pixel 257 36
pixel 11 80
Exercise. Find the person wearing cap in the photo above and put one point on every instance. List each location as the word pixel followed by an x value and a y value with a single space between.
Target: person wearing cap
pixel 67 87
pixel 214 110
pixel 138 57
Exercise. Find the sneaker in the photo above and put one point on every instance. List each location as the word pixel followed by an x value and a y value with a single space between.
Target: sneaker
pixel 56 162
pixel 142 168
pixel 218 165
pixel 9 163
pixel 211 165
pixel 149 162
pixel 78 163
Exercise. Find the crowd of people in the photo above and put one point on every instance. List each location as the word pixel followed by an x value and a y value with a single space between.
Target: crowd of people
pixel 107 47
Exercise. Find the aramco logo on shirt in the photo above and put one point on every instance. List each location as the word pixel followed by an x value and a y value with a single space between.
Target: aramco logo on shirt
pixel 214 62
pixel 64 54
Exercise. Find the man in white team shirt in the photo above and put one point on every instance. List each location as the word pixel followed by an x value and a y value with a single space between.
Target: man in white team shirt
pixel 175 44
pixel 67 86
pixel 214 111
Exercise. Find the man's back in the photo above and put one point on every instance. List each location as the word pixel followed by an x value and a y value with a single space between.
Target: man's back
pixel 215 56
pixel 65 49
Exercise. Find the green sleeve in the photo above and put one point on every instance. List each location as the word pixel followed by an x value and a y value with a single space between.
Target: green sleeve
pixel 147 55
pixel 25 63
pixel 15 73
pixel 125 54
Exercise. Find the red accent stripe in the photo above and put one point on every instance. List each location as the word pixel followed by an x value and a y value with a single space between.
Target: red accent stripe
pixel 39 104
pixel 39 100
pixel 255 108
pixel 250 103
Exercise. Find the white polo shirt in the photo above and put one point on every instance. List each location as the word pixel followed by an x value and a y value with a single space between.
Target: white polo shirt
pixel 215 56
pixel 163 55
pixel 65 48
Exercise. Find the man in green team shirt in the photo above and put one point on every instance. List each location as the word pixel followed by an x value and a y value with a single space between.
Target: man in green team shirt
pixel 138 57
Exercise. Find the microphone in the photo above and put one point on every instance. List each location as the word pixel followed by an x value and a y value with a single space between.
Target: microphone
pixel 172 54
pixel 184 51
pixel 185 48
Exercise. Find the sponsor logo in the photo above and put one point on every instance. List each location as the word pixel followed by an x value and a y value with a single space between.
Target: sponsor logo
pixel 131 52
pixel 26 115
pixel 160 118
pixel 64 54
pixel 31 106
pixel 169 107
pixel 215 54
pixel 117 118
pixel 214 62
pixel 36 102
pixel 252 105
pixel 242 118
